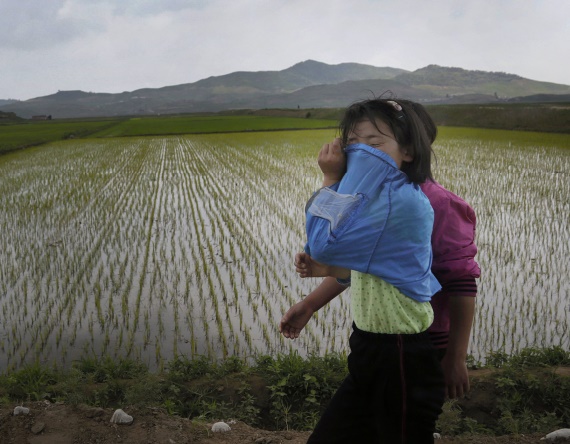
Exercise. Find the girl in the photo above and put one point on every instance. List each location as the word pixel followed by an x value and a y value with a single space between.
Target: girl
pixel 395 390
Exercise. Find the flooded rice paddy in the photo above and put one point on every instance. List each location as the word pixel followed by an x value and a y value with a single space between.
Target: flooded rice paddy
pixel 157 247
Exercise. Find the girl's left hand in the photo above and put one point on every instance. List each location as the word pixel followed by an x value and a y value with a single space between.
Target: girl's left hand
pixel 332 162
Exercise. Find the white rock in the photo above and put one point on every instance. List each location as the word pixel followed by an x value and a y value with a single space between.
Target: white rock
pixel 436 436
pixel 21 410
pixel 120 417
pixel 221 427
pixel 561 434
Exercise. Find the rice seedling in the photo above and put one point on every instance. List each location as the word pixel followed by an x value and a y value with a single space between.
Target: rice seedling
pixel 183 245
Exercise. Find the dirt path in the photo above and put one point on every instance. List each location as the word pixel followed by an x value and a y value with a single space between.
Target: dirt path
pixel 63 424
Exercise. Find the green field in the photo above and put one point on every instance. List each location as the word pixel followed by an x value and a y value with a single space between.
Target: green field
pixel 16 134
pixel 121 255
pixel 164 246
pixel 143 126
pixel 31 133
pixel 541 117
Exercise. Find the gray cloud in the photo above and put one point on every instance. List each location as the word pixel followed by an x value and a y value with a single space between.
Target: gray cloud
pixel 117 45
pixel 149 7
pixel 27 25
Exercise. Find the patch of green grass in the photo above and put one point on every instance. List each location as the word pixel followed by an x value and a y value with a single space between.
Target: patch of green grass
pixel 287 391
pixel 529 358
pixel 532 401
pixel 143 126
pixel 523 117
pixel 29 383
pixel 548 117
pixel 107 369
pixel 32 133
pixel 452 422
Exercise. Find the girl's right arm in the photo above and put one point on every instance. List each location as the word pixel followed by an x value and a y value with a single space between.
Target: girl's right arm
pixel 332 162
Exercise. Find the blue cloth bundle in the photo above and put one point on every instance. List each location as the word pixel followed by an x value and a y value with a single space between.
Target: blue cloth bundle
pixel 374 221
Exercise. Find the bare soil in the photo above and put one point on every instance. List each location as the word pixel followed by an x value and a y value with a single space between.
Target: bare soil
pixel 64 424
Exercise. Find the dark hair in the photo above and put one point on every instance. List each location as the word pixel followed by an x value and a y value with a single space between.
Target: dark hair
pixel 412 126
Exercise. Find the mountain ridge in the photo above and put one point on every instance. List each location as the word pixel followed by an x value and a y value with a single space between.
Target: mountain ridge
pixel 307 84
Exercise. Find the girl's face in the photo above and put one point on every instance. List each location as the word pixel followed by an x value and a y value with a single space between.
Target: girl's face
pixel 378 136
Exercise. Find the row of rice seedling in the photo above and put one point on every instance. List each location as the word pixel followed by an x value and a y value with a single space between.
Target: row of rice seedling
pixel 238 252
pixel 156 247
pixel 38 235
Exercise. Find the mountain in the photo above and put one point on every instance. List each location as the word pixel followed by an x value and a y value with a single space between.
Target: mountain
pixel 309 84
pixel 9 118
pixel 6 101
pixel 458 81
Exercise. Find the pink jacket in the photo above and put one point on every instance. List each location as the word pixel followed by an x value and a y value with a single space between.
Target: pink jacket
pixel 454 250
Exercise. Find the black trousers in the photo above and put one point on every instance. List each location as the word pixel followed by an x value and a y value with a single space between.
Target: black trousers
pixel 393 393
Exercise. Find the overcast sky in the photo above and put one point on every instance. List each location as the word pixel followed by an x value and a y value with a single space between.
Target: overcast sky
pixel 123 45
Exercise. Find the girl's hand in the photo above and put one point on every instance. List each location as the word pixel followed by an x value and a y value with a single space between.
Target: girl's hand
pixel 332 162
pixel 307 267
pixel 295 320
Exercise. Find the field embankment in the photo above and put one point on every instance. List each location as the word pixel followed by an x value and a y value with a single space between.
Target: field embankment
pixel 517 399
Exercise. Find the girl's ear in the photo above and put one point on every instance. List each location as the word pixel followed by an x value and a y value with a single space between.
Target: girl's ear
pixel 407 157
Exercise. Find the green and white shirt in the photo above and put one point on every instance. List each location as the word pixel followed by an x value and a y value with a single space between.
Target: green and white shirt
pixel 379 307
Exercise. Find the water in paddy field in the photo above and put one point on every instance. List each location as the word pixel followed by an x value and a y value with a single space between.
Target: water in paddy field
pixel 157 247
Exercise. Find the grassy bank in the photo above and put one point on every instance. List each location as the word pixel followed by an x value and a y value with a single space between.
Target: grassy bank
pixel 25 134
pixel 536 117
pixel 524 393
pixel 541 117
pixel 30 133
pixel 17 134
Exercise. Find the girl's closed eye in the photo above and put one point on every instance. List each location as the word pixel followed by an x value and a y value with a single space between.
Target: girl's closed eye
pixel 375 143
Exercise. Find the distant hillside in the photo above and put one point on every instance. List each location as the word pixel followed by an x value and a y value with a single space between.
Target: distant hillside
pixel 543 98
pixel 299 76
pixel 9 118
pixel 460 82
pixel 6 102
pixel 308 84
pixel 341 94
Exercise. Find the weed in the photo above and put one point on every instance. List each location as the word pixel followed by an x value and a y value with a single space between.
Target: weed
pixel 183 368
pixel 32 382
pixel 449 421
pixel 295 391
pixel 247 411
pixel 107 369
pixel 452 422
pixel 497 359
pixel 300 388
